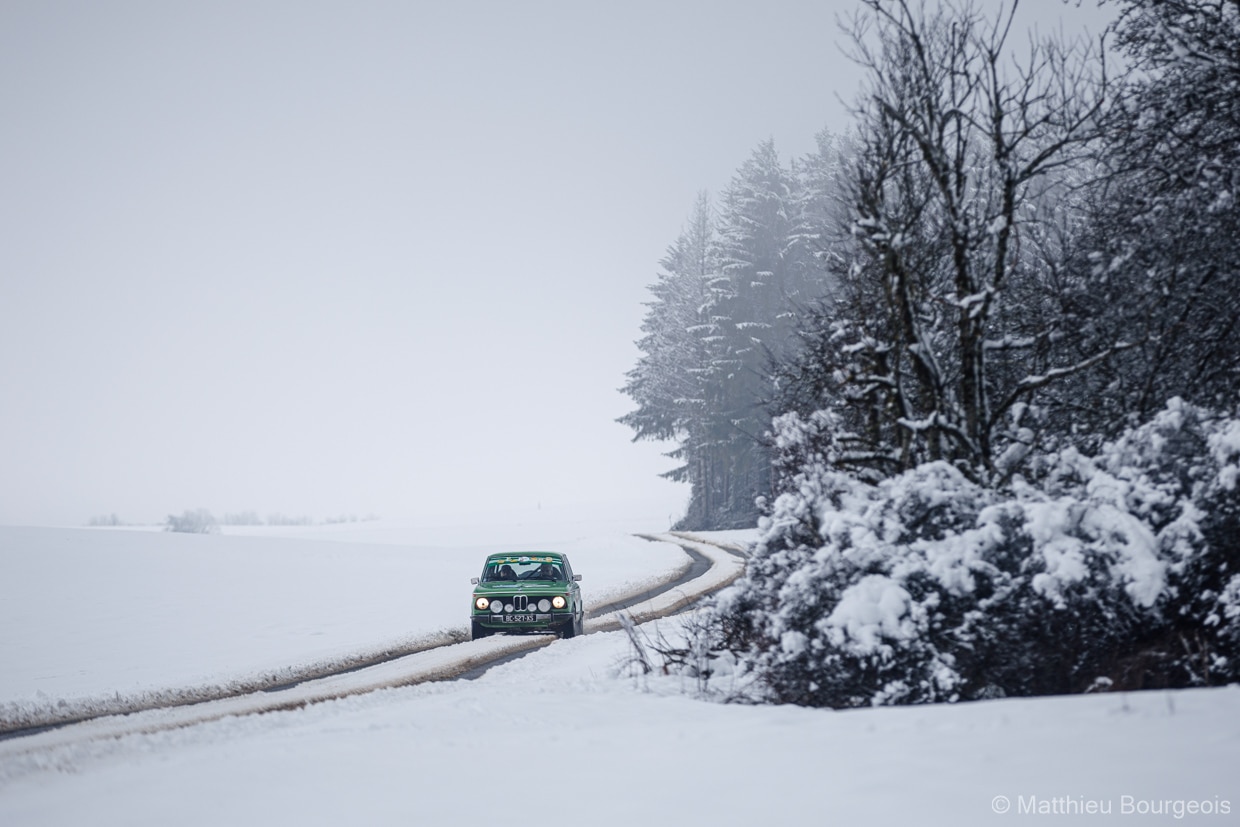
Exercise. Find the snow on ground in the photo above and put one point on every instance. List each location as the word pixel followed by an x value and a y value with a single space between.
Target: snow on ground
pixel 563 735
pixel 88 614
pixel 739 539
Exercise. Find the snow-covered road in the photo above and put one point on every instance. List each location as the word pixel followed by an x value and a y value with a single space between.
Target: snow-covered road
pixel 438 662
pixel 95 622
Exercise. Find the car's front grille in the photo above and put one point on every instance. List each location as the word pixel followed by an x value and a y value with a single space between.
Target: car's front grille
pixel 520 603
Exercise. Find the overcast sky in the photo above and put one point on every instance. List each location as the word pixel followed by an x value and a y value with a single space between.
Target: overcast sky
pixel 359 257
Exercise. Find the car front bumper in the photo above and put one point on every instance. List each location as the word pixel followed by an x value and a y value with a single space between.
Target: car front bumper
pixel 523 622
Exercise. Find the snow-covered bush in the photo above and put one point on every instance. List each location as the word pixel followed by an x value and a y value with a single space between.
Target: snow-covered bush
pixel 1181 474
pixel 1119 570
pixel 200 521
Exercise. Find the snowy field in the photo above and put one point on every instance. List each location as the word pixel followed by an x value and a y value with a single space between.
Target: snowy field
pixel 563 734
pixel 90 613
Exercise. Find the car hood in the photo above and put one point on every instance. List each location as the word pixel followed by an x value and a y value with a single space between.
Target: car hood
pixel 533 588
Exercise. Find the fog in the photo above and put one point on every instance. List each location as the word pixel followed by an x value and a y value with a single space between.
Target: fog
pixel 364 258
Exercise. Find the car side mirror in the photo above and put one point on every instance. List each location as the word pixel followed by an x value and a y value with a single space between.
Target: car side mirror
pixel 576 578
pixel 473 580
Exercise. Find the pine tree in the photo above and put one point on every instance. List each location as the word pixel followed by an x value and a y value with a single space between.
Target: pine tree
pixel 668 384
pixel 765 271
pixel 724 311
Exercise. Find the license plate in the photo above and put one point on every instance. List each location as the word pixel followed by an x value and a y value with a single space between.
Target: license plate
pixel 525 618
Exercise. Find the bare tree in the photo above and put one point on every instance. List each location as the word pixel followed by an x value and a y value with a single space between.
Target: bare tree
pixel 963 148
pixel 1168 231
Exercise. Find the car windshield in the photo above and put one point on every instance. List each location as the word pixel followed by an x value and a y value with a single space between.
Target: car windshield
pixel 522 569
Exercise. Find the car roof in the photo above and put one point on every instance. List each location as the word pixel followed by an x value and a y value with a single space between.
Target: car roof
pixel 526 557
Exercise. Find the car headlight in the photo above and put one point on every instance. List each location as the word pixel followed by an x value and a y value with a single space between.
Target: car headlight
pixel 497 606
pixel 558 601
pixel 482 603
pixel 544 605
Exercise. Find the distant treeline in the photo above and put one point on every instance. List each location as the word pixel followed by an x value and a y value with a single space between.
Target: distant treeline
pixel 202 521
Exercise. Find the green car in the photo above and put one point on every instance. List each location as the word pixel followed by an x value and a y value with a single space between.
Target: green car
pixel 530 591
